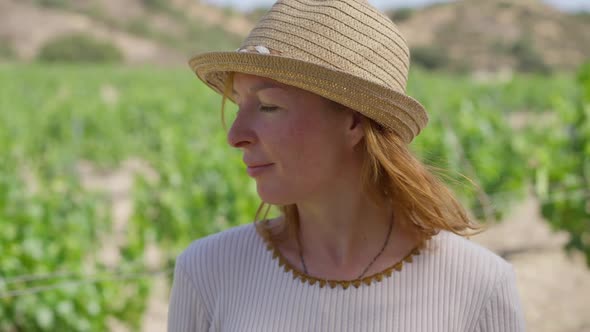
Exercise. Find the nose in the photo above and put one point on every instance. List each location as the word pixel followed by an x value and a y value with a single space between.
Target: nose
pixel 241 134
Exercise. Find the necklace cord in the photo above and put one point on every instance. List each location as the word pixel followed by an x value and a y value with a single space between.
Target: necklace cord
pixel 366 268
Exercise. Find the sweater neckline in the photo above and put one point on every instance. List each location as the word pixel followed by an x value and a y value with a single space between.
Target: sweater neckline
pixel 333 283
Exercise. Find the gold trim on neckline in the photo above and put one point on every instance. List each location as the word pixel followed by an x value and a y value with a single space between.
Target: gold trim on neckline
pixel 304 278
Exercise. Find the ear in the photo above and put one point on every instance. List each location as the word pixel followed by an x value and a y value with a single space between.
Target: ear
pixel 355 130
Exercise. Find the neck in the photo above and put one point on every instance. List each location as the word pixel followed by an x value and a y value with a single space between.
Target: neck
pixel 343 230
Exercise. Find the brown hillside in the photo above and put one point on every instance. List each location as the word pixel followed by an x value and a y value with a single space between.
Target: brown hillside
pixel 496 34
pixel 28 27
pixel 488 35
pixel 235 23
pixel 161 32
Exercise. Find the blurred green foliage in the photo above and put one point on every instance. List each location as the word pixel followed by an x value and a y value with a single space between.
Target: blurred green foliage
pixel 529 59
pixel 53 3
pixel 401 14
pixel 429 57
pixel 563 165
pixel 79 48
pixel 155 4
pixel 6 50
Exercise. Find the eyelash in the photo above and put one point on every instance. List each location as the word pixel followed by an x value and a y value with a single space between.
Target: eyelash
pixel 268 108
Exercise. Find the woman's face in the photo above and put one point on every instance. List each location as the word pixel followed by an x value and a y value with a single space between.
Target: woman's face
pixel 296 144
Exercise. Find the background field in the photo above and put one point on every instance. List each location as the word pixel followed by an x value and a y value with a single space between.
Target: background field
pixel 112 162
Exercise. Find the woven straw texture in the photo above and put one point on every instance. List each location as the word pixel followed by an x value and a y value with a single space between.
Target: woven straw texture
pixel 344 50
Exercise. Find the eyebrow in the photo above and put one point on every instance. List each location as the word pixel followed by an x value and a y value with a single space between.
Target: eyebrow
pixel 261 86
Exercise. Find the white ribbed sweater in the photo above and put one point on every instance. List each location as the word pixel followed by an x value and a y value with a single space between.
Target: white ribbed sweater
pixel 230 281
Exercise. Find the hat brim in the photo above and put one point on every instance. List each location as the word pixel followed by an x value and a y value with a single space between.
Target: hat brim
pixel 398 111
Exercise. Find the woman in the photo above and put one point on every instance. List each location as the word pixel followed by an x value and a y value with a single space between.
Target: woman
pixel 368 239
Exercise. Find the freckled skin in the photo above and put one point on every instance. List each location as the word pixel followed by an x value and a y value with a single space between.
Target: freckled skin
pixel 306 138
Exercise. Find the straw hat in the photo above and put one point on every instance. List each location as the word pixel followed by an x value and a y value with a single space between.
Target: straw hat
pixel 343 50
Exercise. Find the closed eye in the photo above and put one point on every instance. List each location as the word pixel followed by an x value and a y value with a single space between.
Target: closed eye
pixel 268 108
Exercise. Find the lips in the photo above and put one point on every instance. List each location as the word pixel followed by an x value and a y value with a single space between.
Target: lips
pixel 254 163
pixel 257 169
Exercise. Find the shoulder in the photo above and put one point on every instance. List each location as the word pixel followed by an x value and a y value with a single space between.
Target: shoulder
pixel 467 263
pixel 451 246
pixel 219 253
pixel 480 282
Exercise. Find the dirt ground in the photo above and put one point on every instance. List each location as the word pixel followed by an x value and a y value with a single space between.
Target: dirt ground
pixel 554 286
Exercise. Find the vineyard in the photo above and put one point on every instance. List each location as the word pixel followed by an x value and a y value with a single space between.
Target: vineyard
pixel 66 131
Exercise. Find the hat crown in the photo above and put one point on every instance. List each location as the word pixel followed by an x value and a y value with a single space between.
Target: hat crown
pixel 343 35
pixel 344 50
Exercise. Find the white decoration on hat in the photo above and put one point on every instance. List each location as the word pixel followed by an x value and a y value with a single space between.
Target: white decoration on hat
pixel 243 50
pixel 262 49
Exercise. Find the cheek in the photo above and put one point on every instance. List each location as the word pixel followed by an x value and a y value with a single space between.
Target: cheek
pixel 308 151
pixel 309 158
pixel 300 138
